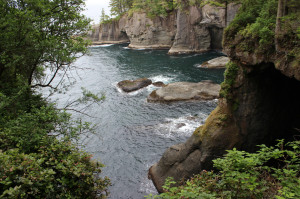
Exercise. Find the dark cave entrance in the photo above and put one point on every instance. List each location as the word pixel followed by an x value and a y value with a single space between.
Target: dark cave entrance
pixel 124 36
pixel 270 108
pixel 216 35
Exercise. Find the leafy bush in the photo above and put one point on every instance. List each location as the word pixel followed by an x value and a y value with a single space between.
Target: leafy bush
pixel 271 172
pixel 57 170
pixel 37 159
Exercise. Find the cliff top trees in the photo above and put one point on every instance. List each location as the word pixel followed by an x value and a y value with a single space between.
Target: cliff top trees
pixel 118 7
pixel 103 16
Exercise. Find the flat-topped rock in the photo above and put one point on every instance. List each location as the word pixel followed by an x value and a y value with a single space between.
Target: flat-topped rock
pixel 133 85
pixel 219 62
pixel 185 91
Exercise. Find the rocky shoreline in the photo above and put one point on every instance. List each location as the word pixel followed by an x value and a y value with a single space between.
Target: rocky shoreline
pixel 193 30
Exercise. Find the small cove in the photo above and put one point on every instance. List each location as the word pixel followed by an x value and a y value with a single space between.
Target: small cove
pixel 131 134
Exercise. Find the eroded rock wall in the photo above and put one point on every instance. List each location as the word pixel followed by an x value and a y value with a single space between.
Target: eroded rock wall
pixel 190 30
pixel 114 31
pixel 199 29
pixel 151 33
pixel 259 103
pixel 261 106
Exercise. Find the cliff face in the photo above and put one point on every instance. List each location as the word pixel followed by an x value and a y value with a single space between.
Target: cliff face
pixel 192 29
pixel 151 33
pixel 258 103
pixel 113 32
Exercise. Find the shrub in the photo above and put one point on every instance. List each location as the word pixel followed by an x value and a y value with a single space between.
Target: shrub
pixel 58 170
pixel 271 172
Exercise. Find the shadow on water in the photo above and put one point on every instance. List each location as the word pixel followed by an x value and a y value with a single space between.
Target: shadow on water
pixel 132 134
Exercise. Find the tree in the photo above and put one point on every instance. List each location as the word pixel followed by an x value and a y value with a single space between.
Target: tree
pixel 103 16
pixel 119 7
pixel 39 35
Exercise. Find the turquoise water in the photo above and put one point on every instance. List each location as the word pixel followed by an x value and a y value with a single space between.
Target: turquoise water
pixel 131 134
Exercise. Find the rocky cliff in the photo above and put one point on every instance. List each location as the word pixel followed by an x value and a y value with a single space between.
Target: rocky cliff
pixel 192 29
pixel 259 99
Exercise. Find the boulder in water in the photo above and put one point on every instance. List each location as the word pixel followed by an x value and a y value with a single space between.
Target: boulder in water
pixel 185 91
pixel 158 84
pixel 219 62
pixel 133 85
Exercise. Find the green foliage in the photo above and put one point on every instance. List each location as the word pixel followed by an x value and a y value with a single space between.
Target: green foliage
pixel 154 8
pixel 119 7
pixel 39 35
pixel 57 170
pixel 36 157
pixel 103 17
pixel 253 29
pixel 271 172
pixel 230 76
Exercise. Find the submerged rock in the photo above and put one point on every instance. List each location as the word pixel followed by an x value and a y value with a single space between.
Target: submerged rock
pixel 184 91
pixel 219 62
pixel 133 85
pixel 158 84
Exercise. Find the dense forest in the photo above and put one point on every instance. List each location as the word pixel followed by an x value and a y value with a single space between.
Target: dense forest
pixel 39 155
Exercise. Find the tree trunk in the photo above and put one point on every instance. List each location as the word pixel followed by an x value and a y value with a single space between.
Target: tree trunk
pixel 281 12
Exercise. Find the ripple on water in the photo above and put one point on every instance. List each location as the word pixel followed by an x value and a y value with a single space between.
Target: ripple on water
pixel 131 134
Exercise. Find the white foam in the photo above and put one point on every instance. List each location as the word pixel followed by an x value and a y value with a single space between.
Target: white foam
pixel 161 78
pixel 147 186
pixel 138 48
pixel 106 45
pixel 126 48
pixel 198 65
pixel 184 126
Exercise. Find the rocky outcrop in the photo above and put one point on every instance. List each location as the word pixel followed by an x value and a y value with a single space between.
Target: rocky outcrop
pixel 133 85
pixel 150 33
pixel 185 91
pixel 196 27
pixel 219 62
pixel 158 84
pixel 258 105
pixel 192 29
pixel 113 32
pixel 93 34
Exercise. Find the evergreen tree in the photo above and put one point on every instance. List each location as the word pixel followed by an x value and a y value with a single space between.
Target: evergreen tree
pixel 118 7
pixel 103 16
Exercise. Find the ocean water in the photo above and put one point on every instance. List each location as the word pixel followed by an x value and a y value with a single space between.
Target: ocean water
pixel 132 134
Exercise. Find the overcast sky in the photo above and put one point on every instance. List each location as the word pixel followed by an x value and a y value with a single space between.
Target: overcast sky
pixel 94 7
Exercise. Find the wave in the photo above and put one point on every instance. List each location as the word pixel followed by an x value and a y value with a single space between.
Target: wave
pixel 182 126
pixel 106 45
pixel 161 78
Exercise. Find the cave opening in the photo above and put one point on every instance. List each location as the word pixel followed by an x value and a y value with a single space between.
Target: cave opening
pixel 124 36
pixel 270 108
pixel 216 35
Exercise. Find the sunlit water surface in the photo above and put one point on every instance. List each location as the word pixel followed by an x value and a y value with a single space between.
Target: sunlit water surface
pixel 131 134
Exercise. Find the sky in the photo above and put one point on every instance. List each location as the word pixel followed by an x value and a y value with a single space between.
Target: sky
pixel 94 7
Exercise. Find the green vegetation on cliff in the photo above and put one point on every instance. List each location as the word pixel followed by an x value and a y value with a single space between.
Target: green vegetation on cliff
pixel 245 175
pixel 153 8
pixel 268 29
pixel 37 157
